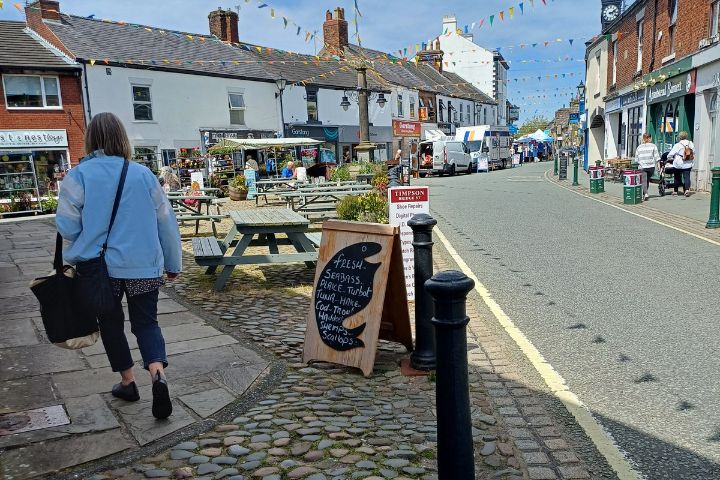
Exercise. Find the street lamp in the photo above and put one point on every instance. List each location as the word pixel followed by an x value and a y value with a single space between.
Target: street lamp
pixel 281 83
pixel 362 95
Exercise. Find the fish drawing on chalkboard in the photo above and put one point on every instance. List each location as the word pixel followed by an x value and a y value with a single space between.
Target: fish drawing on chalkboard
pixel 344 288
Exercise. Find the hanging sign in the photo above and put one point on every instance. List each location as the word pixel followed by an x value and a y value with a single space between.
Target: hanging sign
pixel 358 296
pixel 404 203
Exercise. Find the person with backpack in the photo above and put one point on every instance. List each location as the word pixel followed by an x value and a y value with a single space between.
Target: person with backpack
pixel 682 156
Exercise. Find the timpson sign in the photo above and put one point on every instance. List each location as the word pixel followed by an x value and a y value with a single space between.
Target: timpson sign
pixel 33 138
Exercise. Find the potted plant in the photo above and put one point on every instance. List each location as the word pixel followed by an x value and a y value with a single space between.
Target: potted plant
pixel 238 190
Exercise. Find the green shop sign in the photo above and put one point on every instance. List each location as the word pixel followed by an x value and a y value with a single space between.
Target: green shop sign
pixel 674 87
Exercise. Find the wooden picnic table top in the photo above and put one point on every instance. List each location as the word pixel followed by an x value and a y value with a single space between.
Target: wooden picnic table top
pixel 276 181
pixel 320 193
pixel 202 198
pixel 268 217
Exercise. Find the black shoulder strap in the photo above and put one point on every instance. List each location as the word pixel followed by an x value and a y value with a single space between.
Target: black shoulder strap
pixel 118 196
pixel 58 262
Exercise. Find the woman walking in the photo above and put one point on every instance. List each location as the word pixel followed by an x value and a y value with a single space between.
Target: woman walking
pixel 144 243
pixel 682 155
pixel 647 156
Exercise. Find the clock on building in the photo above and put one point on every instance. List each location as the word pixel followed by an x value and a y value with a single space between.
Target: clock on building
pixel 610 11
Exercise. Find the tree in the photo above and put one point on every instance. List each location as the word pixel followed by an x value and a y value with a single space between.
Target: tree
pixel 532 125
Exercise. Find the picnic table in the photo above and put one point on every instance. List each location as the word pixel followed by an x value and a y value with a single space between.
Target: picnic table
pixel 321 199
pixel 274 185
pixel 616 167
pixel 265 224
pixel 194 213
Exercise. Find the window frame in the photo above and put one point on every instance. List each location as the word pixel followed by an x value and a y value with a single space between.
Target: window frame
pixel 315 93
pixel 714 18
pixel 640 33
pixel 142 102
pixel 598 64
pixel 615 62
pixel 42 92
pixel 400 110
pixel 412 107
pixel 237 109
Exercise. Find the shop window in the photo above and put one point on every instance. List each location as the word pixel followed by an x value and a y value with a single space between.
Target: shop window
pixel 673 4
pixel 714 17
pixel 142 103
pixel 168 156
pixel 146 156
pixel 400 106
pixel 31 91
pixel 669 126
pixel 236 102
pixel 634 129
pixel 312 105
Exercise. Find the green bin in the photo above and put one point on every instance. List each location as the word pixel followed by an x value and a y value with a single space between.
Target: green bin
pixel 632 189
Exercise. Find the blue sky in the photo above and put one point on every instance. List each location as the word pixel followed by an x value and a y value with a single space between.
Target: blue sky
pixel 389 25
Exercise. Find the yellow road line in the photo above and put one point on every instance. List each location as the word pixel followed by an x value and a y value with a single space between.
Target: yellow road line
pixel 699 237
pixel 553 380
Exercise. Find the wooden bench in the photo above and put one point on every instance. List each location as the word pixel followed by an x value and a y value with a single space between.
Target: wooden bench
pixel 213 219
pixel 207 249
pixel 315 238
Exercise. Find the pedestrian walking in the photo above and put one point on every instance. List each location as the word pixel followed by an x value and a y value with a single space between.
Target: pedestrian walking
pixel 647 156
pixel 683 156
pixel 144 242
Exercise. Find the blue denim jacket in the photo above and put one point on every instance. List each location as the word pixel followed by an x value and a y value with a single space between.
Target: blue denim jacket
pixel 145 239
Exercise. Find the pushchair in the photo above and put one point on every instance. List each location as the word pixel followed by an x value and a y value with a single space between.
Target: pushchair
pixel 666 177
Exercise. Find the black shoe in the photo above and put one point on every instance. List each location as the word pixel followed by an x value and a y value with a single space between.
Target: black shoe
pixel 162 406
pixel 129 393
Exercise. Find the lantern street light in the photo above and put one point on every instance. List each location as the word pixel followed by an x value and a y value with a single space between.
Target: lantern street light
pixel 281 83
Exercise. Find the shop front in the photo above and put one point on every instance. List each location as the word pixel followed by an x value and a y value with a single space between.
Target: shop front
pixel 349 138
pixel 671 109
pixel 326 152
pixel 406 137
pixel 32 165
pixel 707 138
pixel 211 137
pixel 614 129
pixel 633 114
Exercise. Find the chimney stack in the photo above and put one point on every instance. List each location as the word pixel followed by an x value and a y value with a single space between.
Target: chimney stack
pixel 335 32
pixel 47 9
pixel 431 55
pixel 224 25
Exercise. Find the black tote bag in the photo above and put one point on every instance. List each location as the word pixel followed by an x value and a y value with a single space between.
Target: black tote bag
pixel 66 324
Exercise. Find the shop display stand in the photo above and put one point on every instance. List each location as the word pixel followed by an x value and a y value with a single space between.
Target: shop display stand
pixel 16 182
pixel 189 161
pixel 224 171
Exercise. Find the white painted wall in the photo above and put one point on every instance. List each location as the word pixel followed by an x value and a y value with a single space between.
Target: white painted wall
pixel 596 90
pixel 407 96
pixel 182 104
pixel 459 104
pixel 329 110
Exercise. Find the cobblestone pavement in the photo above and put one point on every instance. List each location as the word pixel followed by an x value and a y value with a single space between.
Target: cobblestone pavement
pixel 322 421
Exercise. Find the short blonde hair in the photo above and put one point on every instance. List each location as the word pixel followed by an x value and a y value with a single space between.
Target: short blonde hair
pixel 106 132
pixel 683 135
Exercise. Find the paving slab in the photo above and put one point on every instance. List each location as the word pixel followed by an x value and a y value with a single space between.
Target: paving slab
pixel 145 428
pixel 18 333
pixel 27 393
pixel 18 362
pixel 207 402
pixel 65 452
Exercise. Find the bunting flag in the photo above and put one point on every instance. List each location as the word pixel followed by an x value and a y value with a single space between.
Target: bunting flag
pixel 502 16
pixel 492 18
pixel 511 11
pixel 272 13
pixel 357 10
pixel 263 5
pixel 522 8
pixel 1 4
pixel 285 22
pixel 18 6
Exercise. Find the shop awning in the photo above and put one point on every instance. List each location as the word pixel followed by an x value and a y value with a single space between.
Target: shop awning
pixel 260 143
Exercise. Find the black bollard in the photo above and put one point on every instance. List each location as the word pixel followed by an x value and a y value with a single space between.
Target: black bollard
pixel 394 174
pixel 423 357
pixel 454 428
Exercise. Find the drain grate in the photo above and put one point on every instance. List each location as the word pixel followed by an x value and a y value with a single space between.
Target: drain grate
pixel 29 420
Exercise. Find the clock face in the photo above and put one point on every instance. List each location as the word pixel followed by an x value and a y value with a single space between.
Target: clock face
pixel 610 13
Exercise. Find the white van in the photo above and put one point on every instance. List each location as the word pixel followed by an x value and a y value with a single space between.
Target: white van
pixel 444 157
pixel 489 146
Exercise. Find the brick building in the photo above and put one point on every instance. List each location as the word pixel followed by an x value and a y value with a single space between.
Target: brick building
pixel 661 65
pixel 42 119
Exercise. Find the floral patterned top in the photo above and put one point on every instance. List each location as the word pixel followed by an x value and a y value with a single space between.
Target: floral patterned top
pixel 136 286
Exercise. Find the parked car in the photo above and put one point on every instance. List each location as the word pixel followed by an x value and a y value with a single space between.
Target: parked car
pixel 444 157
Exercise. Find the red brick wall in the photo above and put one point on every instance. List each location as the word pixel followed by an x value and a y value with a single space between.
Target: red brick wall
pixel 693 24
pixel 34 20
pixel 71 117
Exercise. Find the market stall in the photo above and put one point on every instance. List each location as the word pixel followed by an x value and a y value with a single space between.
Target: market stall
pixel 272 145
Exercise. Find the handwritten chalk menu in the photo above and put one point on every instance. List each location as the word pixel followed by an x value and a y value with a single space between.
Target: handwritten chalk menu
pixel 345 288
pixel 562 174
pixel 404 203
pixel 359 295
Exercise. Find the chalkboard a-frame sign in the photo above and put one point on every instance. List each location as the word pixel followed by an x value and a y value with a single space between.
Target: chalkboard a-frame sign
pixel 358 296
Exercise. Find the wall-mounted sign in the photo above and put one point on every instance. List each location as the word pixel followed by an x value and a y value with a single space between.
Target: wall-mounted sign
pixel 33 138
pixel 613 105
pixel 630 99
pixel 212 137
pixel 402 128
pixel 423 112
pixel 358 295
pixel 513 114
pixel 672 88
pixel 317 132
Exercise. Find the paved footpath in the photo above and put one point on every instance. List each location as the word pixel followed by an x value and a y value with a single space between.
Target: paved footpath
pixel 36 374
pixel 328 422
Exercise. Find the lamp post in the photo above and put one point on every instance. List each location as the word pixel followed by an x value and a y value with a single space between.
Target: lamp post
pixel 363 97
pixel 281 84
pixel 581 111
